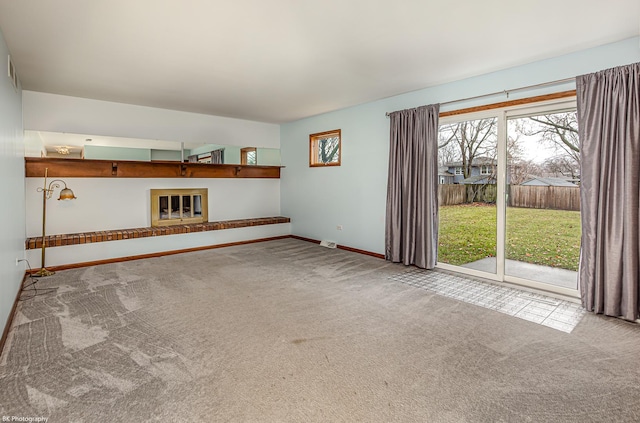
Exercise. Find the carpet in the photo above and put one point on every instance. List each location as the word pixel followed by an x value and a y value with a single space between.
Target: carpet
pixel 288 331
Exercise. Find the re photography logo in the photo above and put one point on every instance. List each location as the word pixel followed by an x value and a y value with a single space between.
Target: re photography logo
pixel 28 419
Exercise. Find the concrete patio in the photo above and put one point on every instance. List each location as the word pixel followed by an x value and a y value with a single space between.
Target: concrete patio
pixel 535 272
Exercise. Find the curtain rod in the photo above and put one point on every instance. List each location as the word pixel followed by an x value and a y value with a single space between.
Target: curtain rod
pixel 507 92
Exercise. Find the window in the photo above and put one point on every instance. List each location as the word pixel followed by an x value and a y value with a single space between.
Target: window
pixel 324 148
pixel 485 170
pixel 178 206
pixel 248 156
pixel 458 170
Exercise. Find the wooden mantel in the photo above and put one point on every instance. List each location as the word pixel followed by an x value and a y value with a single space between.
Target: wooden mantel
pixel 81 168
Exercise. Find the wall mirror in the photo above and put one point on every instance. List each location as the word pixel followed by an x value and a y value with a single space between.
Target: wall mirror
pixel 97 147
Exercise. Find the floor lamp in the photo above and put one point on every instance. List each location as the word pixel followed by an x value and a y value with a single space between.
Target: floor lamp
pixel 47 192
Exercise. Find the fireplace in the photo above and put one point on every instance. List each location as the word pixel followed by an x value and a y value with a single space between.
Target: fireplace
pixel 178 206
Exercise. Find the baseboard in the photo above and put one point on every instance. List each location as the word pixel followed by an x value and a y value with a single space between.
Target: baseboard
pixel 12 313
pixel 342 247
pixel 158 254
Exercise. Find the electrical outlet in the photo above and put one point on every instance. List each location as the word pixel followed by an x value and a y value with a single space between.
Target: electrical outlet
pixel 339 227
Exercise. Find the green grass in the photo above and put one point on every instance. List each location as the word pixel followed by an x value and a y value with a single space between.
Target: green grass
pixel 538 236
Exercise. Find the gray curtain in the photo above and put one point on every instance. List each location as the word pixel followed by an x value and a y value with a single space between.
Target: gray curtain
pixel 411 231
pixel 609 130
pixel 217 156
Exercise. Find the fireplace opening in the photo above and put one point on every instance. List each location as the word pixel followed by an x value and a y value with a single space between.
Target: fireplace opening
pixel 178 206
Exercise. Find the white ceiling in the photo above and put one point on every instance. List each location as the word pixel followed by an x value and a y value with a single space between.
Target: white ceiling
pixel 281 60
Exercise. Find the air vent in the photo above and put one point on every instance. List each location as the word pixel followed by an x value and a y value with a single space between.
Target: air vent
pixel 328 244
pixel 11 72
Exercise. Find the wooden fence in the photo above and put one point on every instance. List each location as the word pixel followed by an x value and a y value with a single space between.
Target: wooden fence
pixel 534 197
pixel 450 194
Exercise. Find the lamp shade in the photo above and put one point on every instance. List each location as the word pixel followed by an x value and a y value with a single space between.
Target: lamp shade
pixel 66 194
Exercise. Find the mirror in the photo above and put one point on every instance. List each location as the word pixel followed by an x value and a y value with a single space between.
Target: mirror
pixel 94 147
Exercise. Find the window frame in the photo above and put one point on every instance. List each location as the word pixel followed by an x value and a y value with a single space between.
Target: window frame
pixel 244 152
pixel 314 152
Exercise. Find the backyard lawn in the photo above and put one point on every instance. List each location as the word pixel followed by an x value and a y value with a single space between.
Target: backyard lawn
pixel 538 236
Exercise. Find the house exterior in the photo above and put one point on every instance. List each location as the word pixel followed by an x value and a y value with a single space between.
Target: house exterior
pixel 444 176
pixel 482 172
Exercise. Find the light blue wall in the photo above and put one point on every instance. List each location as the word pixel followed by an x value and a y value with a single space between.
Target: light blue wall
pixel 207 148
pixel 268 156
pixel 168 155
pixel 354 194
pixel 231 152
pixel 12 213
pixel 97 152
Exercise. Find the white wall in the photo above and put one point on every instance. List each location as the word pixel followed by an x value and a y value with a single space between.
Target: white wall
pixel 123 203
pixel 58 113
pixel 84 253
pixel 354 194
pixel 12 206
pixel 33 145
pixel 113 203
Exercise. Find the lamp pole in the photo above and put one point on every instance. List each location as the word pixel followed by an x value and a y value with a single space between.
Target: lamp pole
pixel 47 192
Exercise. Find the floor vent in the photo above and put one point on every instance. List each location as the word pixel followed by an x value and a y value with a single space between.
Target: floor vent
pixel 328 244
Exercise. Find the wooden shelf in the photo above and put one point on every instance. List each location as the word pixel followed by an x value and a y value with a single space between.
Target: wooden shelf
pixel 81 168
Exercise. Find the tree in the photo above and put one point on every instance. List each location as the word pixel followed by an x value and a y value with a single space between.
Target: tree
pixel 559 131
pixel 520 171
pixel 329 149
pixel 562 165
pixel 469 140
pixel 448 153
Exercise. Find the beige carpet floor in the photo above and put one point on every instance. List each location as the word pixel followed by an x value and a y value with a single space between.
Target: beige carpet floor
pixel 288 331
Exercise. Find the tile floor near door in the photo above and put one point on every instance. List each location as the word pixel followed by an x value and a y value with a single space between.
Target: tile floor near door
pixel 547 311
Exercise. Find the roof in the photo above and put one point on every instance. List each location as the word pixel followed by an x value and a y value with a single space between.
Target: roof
pixel 442 171
pixel 478 179
pixel 550 181
pixel 478 161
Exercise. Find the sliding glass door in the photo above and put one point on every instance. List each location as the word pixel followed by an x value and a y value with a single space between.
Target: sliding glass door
pixel 543 198
pixel 468 159
pixel 509 195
